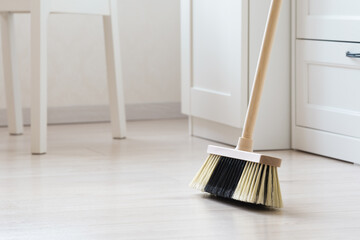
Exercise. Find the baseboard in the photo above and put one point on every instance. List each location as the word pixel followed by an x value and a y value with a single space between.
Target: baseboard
pixel 215 131
pixel 93 114
pixel 327 144
pixel 230 135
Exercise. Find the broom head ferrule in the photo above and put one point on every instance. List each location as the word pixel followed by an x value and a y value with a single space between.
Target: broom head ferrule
pixel 245 144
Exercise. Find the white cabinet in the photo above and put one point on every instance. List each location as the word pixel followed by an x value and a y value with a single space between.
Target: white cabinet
pixel 328 19
pixel 218 39
pixel 326 86
pixel 220 43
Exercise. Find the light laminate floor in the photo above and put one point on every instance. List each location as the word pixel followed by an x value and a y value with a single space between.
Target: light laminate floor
pixel 91 187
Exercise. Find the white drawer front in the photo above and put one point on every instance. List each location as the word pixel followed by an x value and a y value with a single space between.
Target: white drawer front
pixel 328 87
pixel 328 19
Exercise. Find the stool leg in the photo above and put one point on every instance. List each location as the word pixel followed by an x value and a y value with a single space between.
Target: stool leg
pixel 39 18
pixel 12 84
pixel 114 72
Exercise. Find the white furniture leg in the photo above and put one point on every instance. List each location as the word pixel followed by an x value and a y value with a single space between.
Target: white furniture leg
pixel 39 18
pixel 12 84
pixel 114 72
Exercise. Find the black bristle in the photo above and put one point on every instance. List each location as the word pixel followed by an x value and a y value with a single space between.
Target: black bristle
pixel 225 178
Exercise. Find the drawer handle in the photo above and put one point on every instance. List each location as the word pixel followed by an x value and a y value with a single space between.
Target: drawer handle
pixel 352 55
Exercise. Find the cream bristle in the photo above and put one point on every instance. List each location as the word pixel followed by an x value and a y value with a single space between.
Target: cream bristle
pixel 202 177
pixel 269 190
pixel 247 188
pixel 253 183
pixel 242 181
pixel 255 180
pixel 254 190
pixel 243 187
pixel 261 197
pixel 277 192
pixel 274 194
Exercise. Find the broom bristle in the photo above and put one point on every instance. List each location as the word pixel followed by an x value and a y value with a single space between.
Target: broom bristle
pixel 240 180
pixel 202 177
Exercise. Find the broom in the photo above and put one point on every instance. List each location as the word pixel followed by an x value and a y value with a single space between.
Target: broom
pixel 239 173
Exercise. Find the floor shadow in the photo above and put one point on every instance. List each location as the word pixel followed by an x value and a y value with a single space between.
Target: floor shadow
pixel 242 205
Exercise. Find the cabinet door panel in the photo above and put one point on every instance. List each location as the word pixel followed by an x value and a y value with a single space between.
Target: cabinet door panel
pixel 328 19
pixel 327 87
pixel 214 58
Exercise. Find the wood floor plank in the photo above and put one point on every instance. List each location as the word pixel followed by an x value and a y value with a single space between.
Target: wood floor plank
pixel 89 186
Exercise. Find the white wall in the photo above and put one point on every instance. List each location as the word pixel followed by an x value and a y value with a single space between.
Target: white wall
pixel 150 47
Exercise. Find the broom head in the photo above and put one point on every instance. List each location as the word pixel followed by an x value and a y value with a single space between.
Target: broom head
pixel 239 175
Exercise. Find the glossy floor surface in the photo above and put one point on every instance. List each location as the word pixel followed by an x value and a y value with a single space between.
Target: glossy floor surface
pixel 89 186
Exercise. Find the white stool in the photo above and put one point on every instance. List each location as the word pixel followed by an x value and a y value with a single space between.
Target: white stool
pixel 40 9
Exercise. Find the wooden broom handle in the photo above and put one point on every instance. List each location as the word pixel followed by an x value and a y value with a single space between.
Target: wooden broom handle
pixel 246 142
